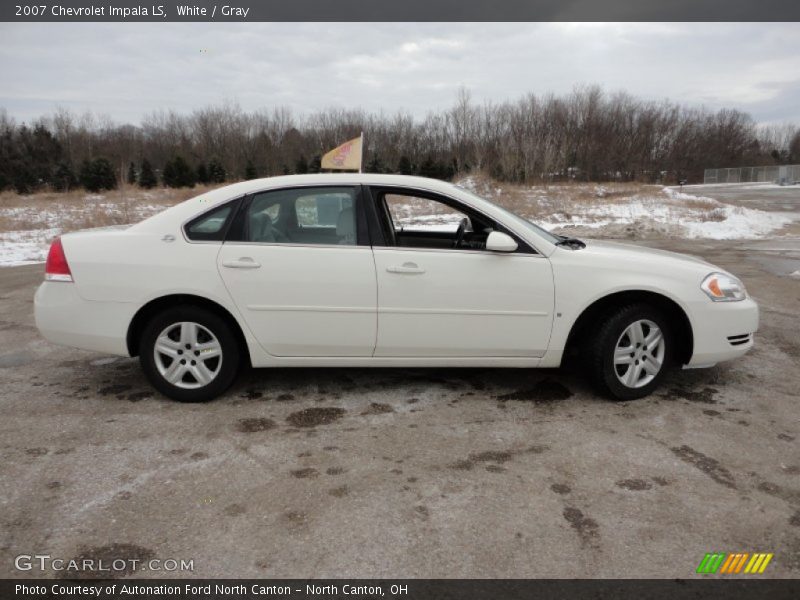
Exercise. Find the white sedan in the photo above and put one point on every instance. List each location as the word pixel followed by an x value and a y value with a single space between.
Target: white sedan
pixel 375 271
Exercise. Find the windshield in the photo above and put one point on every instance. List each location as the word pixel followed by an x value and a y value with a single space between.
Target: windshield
pixel 550 237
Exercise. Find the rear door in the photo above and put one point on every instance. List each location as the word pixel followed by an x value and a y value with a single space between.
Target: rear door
pixel 298 264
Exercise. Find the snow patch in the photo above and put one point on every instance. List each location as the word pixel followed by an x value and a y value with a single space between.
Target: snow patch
pixel 25 247
pixel 671 213
pixel 716 222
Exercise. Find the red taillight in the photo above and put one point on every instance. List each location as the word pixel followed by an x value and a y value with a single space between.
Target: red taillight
pixel 56 267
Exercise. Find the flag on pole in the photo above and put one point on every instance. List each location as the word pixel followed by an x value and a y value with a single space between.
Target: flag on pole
pixel 346 157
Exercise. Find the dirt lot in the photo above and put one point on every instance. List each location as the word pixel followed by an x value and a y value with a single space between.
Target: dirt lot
pixel 407 473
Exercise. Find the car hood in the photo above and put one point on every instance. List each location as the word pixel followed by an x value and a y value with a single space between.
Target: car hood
pixel 630 252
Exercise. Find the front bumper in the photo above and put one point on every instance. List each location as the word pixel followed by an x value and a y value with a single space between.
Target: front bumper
pixel 722 330
pixel 64 318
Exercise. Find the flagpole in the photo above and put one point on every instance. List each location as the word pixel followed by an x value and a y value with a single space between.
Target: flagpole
pixel 361 160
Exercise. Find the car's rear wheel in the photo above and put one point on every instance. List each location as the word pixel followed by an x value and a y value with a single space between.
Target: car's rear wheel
pixel 189 354
pixel 631 352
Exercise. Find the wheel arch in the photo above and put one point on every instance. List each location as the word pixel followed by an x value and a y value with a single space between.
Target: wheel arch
pixel 678 320
pixel 156 305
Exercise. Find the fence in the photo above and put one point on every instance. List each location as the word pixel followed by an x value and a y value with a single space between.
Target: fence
pixel 783 174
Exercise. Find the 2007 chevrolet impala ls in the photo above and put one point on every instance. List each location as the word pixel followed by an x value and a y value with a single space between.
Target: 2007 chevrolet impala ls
pixel 380 270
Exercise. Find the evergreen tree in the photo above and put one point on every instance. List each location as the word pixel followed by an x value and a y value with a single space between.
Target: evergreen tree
pixel 64 179
pixel 404 167
pixel 168 176
pixel 147 177
pixel 85 177
pixel 216 172
pixel 794 148
pixel 301 166
pixel 250 171
pixel 131 174
pixel 21 166
pixel 202 174
pixel 31 158
pixel 315 166
pixel 6 152
pixel 45 153
pixel 185 173
pixel 178 173
pixel 97 175
pixel 428 168
pixel 375 165
pixel 104 174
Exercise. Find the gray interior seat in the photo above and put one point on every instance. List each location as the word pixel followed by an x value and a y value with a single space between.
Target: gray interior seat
pixel 262 229
pixel 346 227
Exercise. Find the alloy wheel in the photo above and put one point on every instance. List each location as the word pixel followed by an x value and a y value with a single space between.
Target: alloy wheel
pixel 639 353
pixel 188 355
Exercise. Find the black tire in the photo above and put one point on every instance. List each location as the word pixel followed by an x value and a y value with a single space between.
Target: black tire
pixel 602 346
pixel 228 365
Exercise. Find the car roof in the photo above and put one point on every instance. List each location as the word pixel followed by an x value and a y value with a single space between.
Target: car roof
pixel 255 185
pixel 208 200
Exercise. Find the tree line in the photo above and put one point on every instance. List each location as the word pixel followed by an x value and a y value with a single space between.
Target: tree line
pixel 586 135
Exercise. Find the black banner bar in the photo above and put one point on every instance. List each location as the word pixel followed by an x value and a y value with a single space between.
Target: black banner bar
pixel 408 589
pixel 402 10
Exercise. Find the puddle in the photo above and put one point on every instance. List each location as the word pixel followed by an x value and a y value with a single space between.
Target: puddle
pixel 311 417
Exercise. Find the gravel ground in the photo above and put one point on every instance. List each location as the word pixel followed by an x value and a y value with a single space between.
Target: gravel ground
pixel 407 472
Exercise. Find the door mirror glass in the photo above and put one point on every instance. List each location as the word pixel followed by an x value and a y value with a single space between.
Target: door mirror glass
pixel 500 242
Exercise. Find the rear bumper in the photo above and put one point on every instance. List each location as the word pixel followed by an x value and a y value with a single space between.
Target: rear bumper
pixel 64 318
pixel 722 331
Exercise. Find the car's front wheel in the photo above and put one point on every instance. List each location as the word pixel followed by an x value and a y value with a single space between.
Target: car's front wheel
pixel 189 354
pixel 631 352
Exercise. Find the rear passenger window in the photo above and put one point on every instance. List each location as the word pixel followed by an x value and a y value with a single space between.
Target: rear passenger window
pixel 305 216
pixel 210 226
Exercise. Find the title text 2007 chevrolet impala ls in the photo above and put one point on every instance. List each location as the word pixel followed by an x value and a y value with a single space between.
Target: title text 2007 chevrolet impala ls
pixel 380 270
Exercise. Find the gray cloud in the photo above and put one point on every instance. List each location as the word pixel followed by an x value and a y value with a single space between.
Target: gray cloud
pixel 126 70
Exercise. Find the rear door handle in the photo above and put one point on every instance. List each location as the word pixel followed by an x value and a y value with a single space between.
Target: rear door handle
pixel 243 263
pixel 408 268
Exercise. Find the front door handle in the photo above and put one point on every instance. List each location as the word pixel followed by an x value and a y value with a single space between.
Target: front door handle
pixel 408 268
pixel 242 263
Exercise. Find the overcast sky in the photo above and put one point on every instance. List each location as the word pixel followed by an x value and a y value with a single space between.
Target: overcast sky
pixel 126 70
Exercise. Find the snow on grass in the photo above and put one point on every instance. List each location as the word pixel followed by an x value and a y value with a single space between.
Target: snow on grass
pixel 71 216
pixel 739 223
pixel 29 223
pixel 656 216
pixel 746 185
pixel 37 228
pixel 631 211
pixel 684 215
pixel 25 247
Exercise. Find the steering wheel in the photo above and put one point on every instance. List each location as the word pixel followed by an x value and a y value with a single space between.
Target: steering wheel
pixel 462 228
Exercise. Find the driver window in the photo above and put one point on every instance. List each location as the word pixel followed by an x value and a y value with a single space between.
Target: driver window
pixel 410 213
pixel 419 222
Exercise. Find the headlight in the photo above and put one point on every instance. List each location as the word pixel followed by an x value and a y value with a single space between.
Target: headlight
pixel 723 288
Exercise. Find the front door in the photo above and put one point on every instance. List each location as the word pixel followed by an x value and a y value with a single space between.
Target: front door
pixel 438 300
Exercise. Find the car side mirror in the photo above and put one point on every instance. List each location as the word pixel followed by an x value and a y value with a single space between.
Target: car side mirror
pixel 497 241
